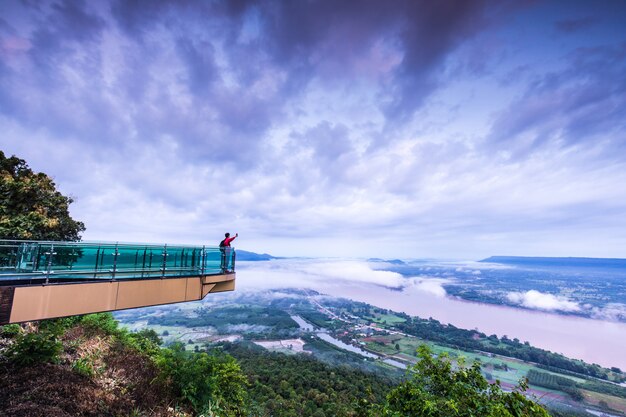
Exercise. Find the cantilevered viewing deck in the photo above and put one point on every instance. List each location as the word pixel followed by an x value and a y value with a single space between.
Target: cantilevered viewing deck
pixel 41 280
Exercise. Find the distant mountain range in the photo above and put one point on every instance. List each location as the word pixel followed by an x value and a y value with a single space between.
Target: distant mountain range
pixel 560 262
pixel 390 261
pixel 244 255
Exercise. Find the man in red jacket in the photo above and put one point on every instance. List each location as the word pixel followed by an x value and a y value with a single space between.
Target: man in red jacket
pixel 225 249
pixel 228 239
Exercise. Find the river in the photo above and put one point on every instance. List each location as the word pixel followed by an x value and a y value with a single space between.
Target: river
pixel 323 334
pixel 593 341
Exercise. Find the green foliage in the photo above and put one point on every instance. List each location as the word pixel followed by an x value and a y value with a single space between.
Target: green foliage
pixel 470 340
pixel 547 380
pixel 104 322
pixel 556 382
pixel 571 387
pixel 604 388
pixel 299 385
pixel 38 346
pixel 208 382
pixel 258 321
pixel 34 347
pixel 436 389
pixel 317 318
pixel 575 393
pixel 31 207
pixel 150 335
pixel 41 345
pixel 58 326
pixel 145 341
pixel 10 330
pixel 83 366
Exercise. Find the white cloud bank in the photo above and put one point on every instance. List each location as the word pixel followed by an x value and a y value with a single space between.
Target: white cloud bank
pixel 431 286
pixel 542 301
pixel 356 271
pixel 309 273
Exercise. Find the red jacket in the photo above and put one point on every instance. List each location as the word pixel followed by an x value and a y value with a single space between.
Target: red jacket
pixel 228 240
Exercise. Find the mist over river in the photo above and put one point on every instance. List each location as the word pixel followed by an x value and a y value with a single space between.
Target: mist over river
pixel 595 341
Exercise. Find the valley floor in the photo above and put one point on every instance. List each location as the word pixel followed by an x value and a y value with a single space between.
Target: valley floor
pixel 342 332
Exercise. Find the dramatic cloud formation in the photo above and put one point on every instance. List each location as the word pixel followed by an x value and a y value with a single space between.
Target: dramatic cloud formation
pixel 409 129
pixel 541 301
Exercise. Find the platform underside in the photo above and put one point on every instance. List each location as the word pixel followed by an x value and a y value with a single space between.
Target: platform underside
pixel 37 302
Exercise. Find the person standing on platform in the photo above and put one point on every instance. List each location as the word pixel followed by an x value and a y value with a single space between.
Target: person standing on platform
pixel 225 249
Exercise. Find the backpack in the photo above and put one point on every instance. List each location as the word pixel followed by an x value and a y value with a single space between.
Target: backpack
pixel 222 245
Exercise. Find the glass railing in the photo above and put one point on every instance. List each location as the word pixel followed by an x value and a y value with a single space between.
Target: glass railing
pixel 62 261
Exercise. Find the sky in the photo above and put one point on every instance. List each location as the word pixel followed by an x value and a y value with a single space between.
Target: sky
pixel 405 129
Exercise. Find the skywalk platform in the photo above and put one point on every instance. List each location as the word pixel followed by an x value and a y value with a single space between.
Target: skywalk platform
pixel 42 280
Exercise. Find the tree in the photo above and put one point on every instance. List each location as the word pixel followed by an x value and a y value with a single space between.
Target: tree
pixel 436 389
pixel 31 207
pixel 210 383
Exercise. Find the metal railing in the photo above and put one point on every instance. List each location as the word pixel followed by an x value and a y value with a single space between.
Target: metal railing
pixel 45 261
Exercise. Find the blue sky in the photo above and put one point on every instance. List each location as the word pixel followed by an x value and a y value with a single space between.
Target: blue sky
pixel 321 128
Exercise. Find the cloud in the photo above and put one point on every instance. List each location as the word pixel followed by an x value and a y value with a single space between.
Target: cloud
pixel 324 275
pixel 431 286
pixel 534 299
pixel 542 301
pixel 611 311
pixel 575 25
pixel 354 271
pixel 246 328
pixel 581 105
pixel 323 128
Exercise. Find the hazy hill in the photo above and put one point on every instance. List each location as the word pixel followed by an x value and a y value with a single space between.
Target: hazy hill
pixel 244 255
pixel 390 261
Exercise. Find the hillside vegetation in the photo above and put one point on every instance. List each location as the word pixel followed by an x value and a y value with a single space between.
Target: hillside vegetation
pixel 88 366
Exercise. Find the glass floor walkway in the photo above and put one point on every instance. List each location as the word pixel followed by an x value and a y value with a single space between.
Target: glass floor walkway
pixel 24 262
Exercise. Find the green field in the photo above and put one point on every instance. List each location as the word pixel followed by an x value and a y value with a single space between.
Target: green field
pixel 615 403
pixel 389 319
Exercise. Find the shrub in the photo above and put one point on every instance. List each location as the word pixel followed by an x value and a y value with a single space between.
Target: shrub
pixel 150 335
pixel 35 347
pixel 100 321
pixel 10 330
pixel 206 382
pixel 141 343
